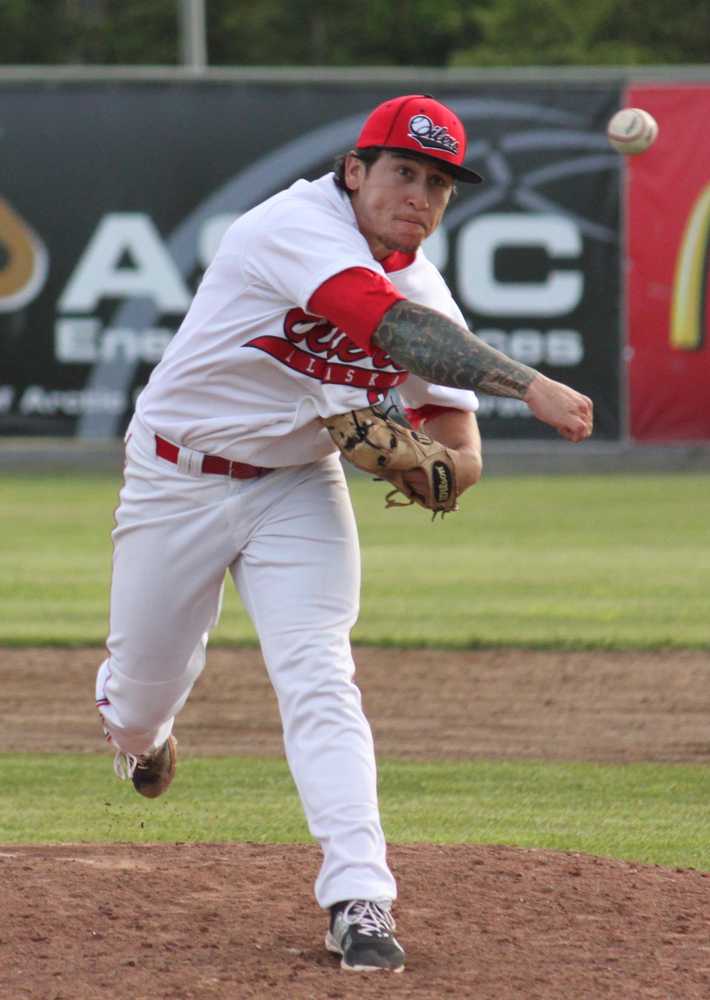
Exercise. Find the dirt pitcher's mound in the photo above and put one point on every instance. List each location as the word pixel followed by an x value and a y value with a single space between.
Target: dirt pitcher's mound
pixel 191 922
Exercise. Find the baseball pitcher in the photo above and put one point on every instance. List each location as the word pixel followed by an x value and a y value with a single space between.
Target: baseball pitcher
pixel 318 302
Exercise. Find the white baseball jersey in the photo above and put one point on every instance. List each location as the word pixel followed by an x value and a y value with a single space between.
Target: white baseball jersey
pixel 250 371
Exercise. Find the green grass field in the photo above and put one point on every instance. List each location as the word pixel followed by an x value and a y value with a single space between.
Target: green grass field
pixel 558 562
pixel 643 812
pixel 576 562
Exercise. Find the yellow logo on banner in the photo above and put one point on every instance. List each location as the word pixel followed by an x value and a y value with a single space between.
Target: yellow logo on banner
pixel 691 278
pixel 23 261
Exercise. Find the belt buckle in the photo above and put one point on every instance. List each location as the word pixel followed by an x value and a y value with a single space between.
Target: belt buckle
pixel 231 472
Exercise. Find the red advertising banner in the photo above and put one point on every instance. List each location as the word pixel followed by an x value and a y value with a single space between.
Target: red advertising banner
pixel 668 258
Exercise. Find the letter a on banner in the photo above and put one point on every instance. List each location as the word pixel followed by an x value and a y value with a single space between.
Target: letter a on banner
pixel 101 271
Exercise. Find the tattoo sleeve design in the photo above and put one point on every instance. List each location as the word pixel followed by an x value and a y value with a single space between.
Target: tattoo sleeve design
pixel 432 346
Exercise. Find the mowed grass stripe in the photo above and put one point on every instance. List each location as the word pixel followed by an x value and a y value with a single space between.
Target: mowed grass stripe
pixel 652 813
pixel 560 561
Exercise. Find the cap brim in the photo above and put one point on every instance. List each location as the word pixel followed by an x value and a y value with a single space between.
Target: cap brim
pixel 460 173
pixel 463 174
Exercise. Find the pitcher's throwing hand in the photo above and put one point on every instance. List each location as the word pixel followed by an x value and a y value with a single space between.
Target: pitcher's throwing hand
pixel 568 411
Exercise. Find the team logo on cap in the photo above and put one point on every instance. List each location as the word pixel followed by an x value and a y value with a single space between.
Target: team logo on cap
pixel 430 136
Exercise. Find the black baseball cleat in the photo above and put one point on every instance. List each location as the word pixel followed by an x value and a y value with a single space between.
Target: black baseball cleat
pixel 361 932
pixel 151 773
pixel 154 772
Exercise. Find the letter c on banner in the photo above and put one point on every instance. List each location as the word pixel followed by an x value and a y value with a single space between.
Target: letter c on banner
pixel 690 285
pixel 23 261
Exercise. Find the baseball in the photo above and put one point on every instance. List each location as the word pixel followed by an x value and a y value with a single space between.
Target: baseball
pixel 420 125
pixel 632 130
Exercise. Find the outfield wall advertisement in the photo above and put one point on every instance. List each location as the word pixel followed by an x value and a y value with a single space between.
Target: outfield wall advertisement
pixel 113 198
pixel 668 233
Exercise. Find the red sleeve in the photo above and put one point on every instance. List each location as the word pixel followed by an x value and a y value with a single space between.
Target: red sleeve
pixel 355 301
pixel 429 412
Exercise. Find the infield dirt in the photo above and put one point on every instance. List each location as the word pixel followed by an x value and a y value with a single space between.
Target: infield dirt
pixel 194 921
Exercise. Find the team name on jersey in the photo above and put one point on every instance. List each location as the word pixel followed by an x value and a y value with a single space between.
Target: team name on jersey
pixel 314 347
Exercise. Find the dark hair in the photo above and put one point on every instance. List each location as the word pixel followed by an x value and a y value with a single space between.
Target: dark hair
pixel 369 155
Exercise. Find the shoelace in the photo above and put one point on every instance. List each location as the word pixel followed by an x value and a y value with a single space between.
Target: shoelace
pixel 124 764
pixel 371 918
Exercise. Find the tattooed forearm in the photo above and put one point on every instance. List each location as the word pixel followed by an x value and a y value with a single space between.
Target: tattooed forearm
pixel 430 345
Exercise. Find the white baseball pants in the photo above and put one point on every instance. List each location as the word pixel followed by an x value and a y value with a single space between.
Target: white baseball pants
pixel 289 541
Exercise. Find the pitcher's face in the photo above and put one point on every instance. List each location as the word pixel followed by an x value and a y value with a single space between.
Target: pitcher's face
pixel 398 201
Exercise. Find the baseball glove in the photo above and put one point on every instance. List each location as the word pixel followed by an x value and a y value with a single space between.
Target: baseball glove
pixel 418 467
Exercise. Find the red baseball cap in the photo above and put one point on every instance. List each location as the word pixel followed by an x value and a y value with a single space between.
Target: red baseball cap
pixel 416 123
